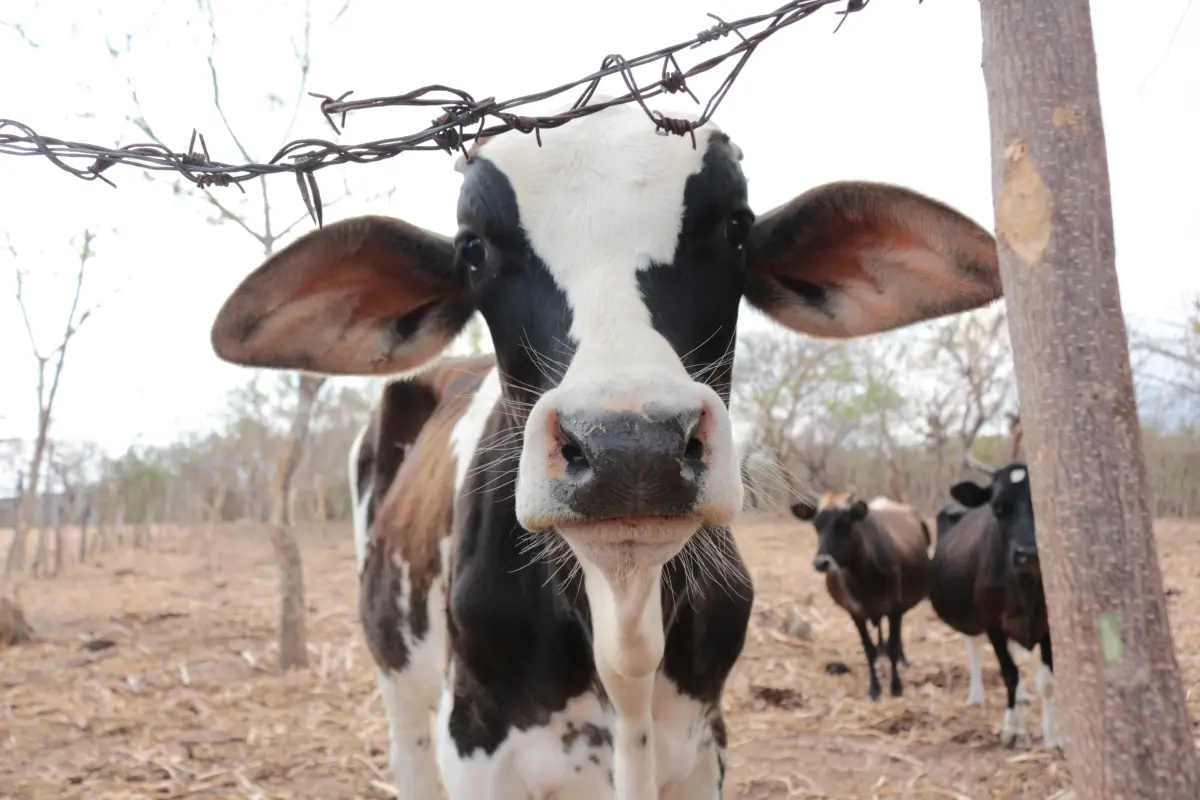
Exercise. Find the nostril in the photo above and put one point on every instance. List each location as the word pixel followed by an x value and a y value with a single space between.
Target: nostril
pixel 694 450
pixel 573 455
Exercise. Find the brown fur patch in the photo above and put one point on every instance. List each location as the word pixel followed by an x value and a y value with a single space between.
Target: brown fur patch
pixel 835 499
pixel 416 513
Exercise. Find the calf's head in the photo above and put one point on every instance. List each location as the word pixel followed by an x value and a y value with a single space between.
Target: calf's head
pixel 609 265
pixel 837 531
pixel 1011 502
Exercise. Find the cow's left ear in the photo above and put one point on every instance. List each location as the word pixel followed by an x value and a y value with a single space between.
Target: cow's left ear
pixel 850 259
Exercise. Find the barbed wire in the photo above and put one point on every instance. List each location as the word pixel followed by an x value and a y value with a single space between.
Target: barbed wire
pixel 464 119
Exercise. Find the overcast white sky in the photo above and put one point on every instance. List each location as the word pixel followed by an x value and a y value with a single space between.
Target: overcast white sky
pixel 897 96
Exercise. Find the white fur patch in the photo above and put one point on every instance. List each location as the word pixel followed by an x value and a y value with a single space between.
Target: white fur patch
pixel 1017 475
pixel 975 694
pixel 882 502
pixel 1013 733
pixel 410 740
pixel 464 439
pixel 571 757
pixel 1051 733
pixel 358 505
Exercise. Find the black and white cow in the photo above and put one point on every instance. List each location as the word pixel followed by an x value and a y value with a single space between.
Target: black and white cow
pixel 947 517
pixel 584 653
pixel 987 580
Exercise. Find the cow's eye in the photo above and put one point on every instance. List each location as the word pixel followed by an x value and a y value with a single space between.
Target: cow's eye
pixel 472 251
pixel 737 227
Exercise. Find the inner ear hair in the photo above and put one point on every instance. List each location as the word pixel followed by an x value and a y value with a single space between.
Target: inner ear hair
pixel 362 296
pixel 853 258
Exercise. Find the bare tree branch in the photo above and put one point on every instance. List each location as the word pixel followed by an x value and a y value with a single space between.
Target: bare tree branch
pixel 206 6
pixel 20 31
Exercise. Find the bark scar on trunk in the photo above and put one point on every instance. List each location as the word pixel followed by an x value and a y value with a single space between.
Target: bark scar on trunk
pixel 1023 213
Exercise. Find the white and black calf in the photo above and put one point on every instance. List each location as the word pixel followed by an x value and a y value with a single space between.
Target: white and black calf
pixel 986 580
pixel 586 651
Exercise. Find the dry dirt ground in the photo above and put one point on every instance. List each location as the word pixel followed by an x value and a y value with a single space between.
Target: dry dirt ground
pixel 183 699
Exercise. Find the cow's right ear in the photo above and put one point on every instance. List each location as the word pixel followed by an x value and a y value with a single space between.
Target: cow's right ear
pixel 804 511
pixel 971 494
pixel 368 295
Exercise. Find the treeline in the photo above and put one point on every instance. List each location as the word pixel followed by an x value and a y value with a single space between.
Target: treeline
pixel 892 415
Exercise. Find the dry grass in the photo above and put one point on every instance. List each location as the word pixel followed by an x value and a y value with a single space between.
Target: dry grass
pixel 154 677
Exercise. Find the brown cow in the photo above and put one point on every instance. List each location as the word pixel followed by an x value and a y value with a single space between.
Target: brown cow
pixel 875 558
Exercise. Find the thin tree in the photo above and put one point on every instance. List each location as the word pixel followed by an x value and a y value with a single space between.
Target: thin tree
pixel 293 649
pixel 49 376
pixel 1124 711
pixel 267 231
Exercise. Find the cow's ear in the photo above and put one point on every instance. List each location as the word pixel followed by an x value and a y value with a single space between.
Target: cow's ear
pixel 804 511
pixel 850 259
pixel 859 510
pixel 363 296
pixel 971 494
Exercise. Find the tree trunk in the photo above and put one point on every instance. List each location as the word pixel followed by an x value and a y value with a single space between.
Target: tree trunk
pixel 293 647
pixel 84 518
pixel 293 636
pixel 28 506
pixel 1124 711
pixel 41 558
pixel 322 494
pixel 60 544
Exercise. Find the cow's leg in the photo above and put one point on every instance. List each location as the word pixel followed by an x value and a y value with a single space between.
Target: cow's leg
pixel 880 649
pixel 975 694
pixel 1013 732
pixel 1051 734
pixel 410 743
pixel 1023 696
pixel 894 649
pixel 707 780
pixel 874 690
pixel 411 666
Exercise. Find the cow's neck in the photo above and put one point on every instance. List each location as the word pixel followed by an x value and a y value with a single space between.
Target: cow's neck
pixel 1024 593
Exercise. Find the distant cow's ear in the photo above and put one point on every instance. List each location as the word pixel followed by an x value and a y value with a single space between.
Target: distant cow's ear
pixel 859 510
pixel 804 511
pixel 363 296
pixel 971 494
pixel 850 259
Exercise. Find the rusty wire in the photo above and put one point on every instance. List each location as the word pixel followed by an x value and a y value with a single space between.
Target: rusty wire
pixel 464 119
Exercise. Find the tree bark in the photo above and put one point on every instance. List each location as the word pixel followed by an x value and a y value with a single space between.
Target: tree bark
pixel 293 647
pixel 28 505
pixel 60 544
pixel 1122 701
pixel 84 518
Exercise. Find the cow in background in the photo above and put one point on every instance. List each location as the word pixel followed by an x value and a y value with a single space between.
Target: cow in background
pixel 947 517
pixel 875 558
pixel 986 579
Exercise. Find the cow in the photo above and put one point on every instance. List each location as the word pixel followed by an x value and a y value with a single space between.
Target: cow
pixel 595 598
pixel 986 580
pixel 875 559
pixel 947 517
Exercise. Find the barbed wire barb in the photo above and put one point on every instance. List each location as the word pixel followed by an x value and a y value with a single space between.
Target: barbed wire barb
pixel 463 125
